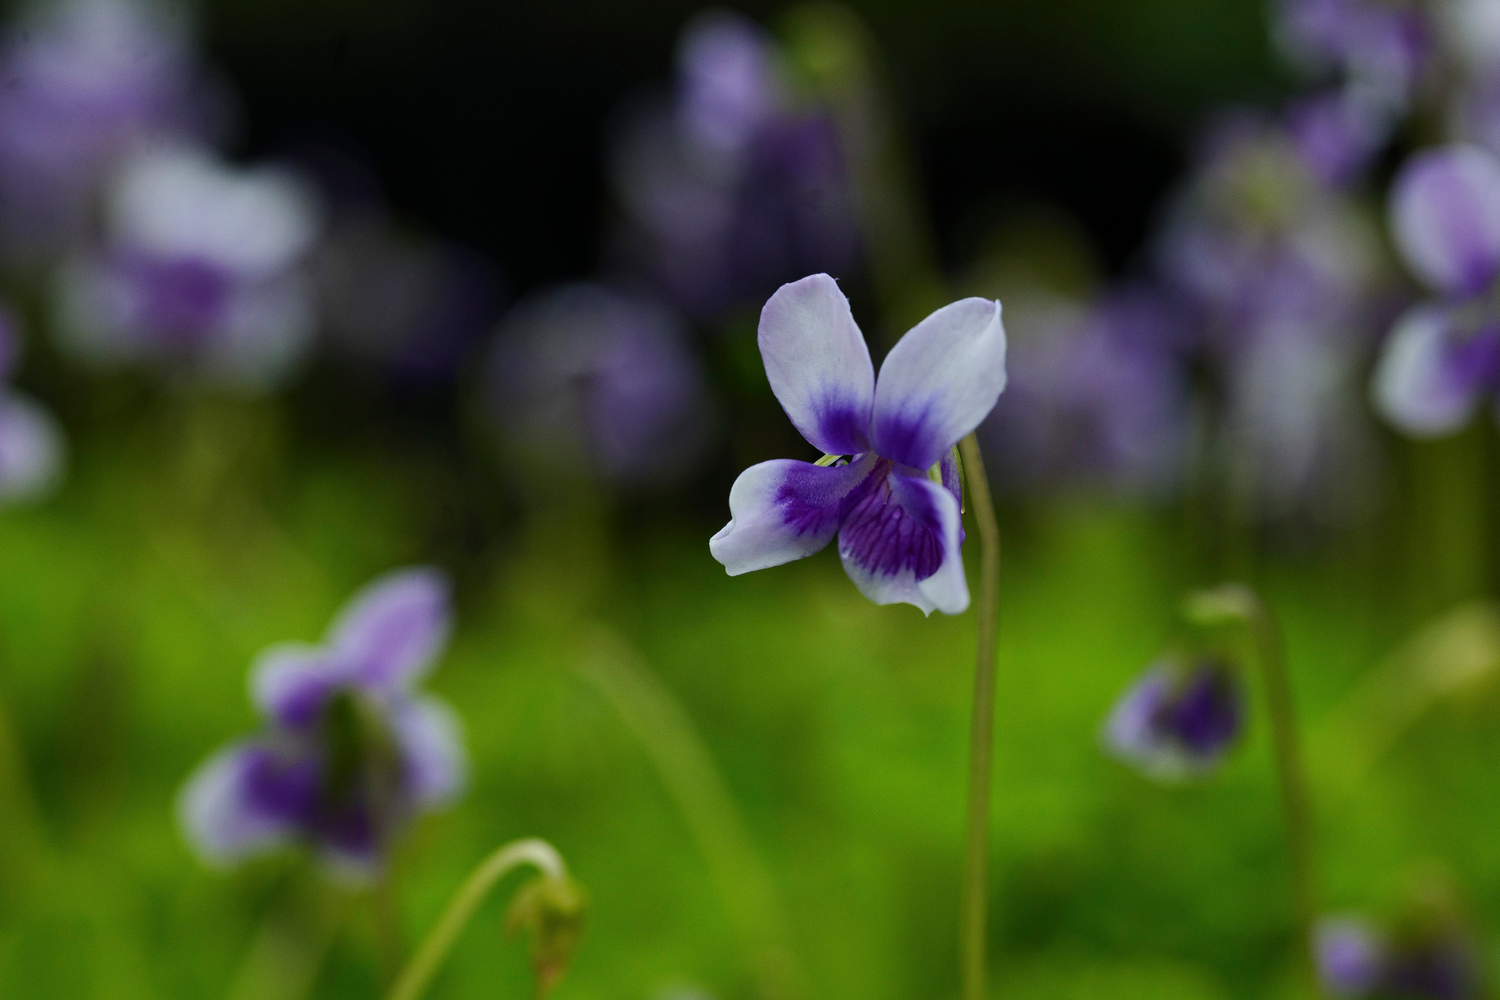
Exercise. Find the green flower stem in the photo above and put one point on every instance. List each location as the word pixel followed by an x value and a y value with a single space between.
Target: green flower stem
pixel 1237 602
pixel 425 963
pixel 25 855
pixel 972 923
pixel 288 951
pixel 687 770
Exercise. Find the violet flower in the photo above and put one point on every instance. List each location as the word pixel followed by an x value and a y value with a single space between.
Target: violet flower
pixel 1177 721
pixel 733 188
pixel 351 752
pixel 1382 47
pixel 1442 359
pixel 1095 397
pixel 1356 960
pixel 200 271
pixel 84 81
pixel 895 504
pixel 584 379
pixel 31 443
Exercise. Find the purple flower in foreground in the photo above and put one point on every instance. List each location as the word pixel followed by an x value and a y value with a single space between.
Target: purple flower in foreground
pixel 583 378
pixel 83 80
pixel 732 188
pixel 31 443
pixel 1177 722
pixel 351 752
pixel 1442 358
pixel 895 504
pixel 201 269
pixel 1356 960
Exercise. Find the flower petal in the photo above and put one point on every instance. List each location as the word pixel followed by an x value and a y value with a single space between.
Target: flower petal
pixel 818 364
pixel 393 629
pixel 31 449
pixel 290 682
pixel 432 747
pixel 901 545
pixel 221 812
pixel 1349 956
pixel 783 510
pixel 939 382
pixel 1422 384
pixel 1445 216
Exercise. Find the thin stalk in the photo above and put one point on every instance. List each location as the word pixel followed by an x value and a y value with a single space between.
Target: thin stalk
pixel 288 951
pixel 687 770
pixel 429 957
pixel 387 926
pixel 973 918
pixel 1244 604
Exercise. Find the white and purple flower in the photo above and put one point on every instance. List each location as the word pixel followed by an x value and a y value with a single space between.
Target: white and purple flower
pixel 584 378
pixel 1442 359
pixel 351 752
pixel 1355 959
pixel 733 187
pixel 31 443
pixel 201 270
pixel 1177 721
pixel 895 504
pixel 85 81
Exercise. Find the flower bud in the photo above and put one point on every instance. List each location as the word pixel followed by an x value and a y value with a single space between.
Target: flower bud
pixel 554 909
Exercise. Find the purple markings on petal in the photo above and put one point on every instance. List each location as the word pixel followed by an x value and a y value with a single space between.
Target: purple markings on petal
pixel 784 510
pixel 180 301
pixel 887 538
pixel 284 787
pixel 220 817
pixel 391 631
pixel 1348 955
pixel 1445 215
pixel 1206 716
pixel 292 682
pixel 1430 375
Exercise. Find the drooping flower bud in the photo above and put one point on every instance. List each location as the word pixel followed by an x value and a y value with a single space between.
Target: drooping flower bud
pixel 554 910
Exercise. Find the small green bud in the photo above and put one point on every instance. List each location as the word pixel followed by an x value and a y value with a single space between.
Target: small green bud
pixel 554 909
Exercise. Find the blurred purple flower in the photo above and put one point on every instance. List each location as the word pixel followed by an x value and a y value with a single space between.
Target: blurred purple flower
pixel 583 379
pixel 895 504
pixel 84 81
pixel 202 269
pixel 411 304
pixel 1177 721
pixel 1442 358
pixel 31 443
pixel 1338 133
pixel 731 189
pixel 1356 960
pixel 1381 47
pixel 1095 397
pixel 351 752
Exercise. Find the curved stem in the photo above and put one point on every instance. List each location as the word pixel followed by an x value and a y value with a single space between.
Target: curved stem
pixel 1239 601
pixel 972 924
pixel 687 770
pixel 424 964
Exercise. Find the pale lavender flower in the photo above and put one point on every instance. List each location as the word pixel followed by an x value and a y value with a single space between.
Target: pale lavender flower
pixel 1096 396
pixel 201 270
pixel 1178 720
pixel 84 81
pixel 1338 133
pixel 351 752
pixel 31 443
pixel 895 504
pixel 1442 358
pixel 1355 959
pixel 586 379
pixel 731 189
pixel 1383 47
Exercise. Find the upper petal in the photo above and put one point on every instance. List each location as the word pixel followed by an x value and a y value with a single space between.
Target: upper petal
pixel 818 364
pixel 31 449
pixel 939 382
pixel 1421 384
pixel 783 510
pixel 901 545
pixel 1445 217
pixel 290 682
pixel 393 629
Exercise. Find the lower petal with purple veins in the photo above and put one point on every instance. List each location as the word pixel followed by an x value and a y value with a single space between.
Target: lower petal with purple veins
pixel 784 510
pixel 901 544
